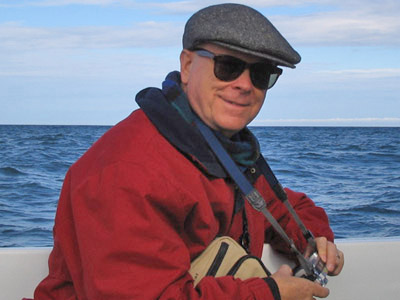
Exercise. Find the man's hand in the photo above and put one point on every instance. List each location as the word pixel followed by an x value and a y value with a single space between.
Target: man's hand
pixel 294 288
pixel 330 255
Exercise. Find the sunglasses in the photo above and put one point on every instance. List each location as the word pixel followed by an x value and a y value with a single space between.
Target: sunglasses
pixel 228 68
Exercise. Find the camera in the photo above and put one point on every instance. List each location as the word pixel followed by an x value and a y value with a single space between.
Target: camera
pixel 314 271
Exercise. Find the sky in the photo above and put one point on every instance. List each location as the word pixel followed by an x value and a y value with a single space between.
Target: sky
pixel 81 62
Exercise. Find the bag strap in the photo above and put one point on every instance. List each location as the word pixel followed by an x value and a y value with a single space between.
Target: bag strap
pixel 252 194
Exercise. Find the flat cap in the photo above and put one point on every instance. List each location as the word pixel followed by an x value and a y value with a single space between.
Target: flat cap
pixel 241 28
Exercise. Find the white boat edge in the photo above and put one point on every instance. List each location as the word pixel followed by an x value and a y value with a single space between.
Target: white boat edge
pixel 370 271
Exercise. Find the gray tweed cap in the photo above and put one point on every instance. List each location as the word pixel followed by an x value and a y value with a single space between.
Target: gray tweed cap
pixel 241 28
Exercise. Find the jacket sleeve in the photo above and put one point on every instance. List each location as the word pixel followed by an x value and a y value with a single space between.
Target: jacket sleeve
pixel 314 218
pixel 121 235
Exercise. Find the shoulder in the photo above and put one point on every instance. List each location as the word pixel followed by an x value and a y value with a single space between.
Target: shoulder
pixel 131 141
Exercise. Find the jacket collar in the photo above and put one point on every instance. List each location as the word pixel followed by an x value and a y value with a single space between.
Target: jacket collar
pixel 183 135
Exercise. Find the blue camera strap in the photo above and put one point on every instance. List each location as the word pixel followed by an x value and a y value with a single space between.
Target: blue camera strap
pixel 282 196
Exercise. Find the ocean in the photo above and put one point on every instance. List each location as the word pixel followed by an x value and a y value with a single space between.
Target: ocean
pixel 353 172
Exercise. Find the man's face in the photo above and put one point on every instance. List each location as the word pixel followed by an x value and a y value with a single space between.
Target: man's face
pixel 224 106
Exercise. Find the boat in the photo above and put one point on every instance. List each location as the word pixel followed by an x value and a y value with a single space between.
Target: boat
pixel 369 273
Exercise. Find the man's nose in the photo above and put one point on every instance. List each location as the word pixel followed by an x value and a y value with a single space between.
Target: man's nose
pixel 243 82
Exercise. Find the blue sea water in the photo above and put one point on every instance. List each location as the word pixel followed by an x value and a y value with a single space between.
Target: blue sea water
pixel 354 173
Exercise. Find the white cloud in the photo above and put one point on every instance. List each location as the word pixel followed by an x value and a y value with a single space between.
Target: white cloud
pixel 15 36
pixel 45 3
pixel 189 7
pixel 341 28
pixel 362 73
pixel 70 2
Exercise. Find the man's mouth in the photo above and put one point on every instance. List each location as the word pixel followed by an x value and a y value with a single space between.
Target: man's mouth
pixel 235 103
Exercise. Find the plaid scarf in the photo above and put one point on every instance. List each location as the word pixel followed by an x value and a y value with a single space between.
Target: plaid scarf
pixel 242 146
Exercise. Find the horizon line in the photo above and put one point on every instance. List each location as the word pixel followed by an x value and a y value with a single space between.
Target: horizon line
pixel 330 122
pixel 250 125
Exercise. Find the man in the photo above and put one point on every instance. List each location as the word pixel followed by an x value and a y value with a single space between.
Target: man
pixel 150 195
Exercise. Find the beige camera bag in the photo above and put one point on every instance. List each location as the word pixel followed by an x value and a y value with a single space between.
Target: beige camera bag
pixel 225 257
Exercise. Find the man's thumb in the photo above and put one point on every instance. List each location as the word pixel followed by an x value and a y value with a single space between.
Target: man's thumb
pixel 284 270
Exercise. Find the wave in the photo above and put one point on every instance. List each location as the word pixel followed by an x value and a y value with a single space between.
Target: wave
pixel 367 208
pixel 386 155
pixel 10 171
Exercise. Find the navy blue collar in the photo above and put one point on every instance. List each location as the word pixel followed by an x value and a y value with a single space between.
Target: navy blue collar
pixel 170 123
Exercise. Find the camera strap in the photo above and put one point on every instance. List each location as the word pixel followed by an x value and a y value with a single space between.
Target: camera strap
pixel 282 196
pixel 252 194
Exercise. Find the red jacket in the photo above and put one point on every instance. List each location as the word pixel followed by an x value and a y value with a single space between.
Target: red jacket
pixel 134 211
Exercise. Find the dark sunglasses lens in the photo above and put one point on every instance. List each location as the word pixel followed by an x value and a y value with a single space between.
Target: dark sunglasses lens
pixel 273 78
pixel 228 68
pixel 264 76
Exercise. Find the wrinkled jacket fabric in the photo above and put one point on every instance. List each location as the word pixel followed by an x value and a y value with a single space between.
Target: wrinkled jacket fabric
pixel 135 210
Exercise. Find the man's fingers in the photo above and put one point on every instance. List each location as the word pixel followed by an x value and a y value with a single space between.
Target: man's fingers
pixel 339 263
pixel 321 243
pixel 320 291
pixel 331 256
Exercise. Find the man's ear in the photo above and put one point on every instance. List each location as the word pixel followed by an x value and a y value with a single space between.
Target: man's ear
pixel 186 58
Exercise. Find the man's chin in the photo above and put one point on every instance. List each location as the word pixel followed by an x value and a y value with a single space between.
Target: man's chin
pixel 229 131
